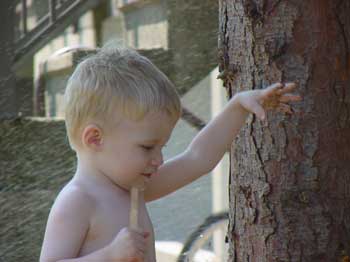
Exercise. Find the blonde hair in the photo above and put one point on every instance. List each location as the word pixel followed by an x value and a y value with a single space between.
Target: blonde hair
pixel 116 79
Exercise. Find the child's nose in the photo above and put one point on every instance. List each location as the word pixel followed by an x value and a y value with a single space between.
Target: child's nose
pixel 157 160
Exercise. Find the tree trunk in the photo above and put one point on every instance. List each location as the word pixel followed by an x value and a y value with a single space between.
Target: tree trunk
pixel 290 177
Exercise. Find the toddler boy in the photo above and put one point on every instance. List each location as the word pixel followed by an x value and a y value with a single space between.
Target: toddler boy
pixel 120 112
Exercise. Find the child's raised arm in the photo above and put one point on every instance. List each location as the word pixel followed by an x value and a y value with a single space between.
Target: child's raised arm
pixel 210 144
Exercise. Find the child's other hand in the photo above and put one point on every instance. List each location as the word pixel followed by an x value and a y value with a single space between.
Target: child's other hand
pixel 276 97
pixel 129 245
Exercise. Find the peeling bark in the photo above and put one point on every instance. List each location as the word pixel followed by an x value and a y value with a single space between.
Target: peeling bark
pixel 290 178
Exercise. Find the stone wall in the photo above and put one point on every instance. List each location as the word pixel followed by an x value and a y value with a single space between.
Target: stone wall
pixel 193 29
pixel 35 162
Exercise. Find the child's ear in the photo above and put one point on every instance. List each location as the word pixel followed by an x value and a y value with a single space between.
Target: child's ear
pixel 92 137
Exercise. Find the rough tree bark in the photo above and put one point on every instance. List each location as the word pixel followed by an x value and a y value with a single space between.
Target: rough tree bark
pixel 290 177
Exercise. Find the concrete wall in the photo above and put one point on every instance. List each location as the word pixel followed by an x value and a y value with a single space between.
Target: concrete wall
pixel 147 27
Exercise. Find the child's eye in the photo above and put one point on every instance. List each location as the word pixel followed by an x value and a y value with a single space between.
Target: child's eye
pixel 147 147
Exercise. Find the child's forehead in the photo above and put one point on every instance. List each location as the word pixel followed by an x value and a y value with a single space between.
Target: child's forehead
pixel 152 121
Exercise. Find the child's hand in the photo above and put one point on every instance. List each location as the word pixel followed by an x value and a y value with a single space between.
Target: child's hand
pixel 274 97
pixel 129 245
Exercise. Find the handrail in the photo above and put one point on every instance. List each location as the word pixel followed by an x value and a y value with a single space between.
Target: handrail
pixel 61 14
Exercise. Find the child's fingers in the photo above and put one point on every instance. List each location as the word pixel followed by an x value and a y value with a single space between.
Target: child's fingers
pixel 288 87
pixel 290 98
pixel 141 247
pixel 285 108
pixel 139 232
pixel 272 89
pixel 139 239
pixel 139 257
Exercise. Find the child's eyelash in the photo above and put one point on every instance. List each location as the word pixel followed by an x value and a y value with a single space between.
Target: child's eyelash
pixel 147 147
pixel 151 147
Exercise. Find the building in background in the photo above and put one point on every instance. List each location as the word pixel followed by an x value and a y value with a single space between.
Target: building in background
pixel 179 36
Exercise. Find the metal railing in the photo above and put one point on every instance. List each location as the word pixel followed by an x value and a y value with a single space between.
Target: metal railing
pixel 61 13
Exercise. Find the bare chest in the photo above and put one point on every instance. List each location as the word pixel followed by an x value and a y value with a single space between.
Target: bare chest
pixel 109 218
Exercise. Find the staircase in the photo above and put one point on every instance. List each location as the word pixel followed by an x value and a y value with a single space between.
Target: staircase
pixel 61 13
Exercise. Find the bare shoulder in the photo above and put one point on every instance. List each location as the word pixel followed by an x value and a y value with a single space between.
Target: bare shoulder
pixel 74 198
pixel 67 224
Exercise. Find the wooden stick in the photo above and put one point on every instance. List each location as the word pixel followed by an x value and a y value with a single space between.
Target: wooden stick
pixel 136 194
pixel 134 208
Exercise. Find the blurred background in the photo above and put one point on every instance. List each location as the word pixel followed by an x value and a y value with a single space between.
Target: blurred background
pixel 50 37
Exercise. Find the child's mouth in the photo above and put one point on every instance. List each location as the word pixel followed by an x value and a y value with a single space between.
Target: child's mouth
pixel 147 175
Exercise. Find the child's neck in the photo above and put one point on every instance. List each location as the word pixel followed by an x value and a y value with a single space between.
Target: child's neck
pixel 90 176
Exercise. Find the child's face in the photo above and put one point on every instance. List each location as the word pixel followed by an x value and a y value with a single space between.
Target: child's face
pixel 133 149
